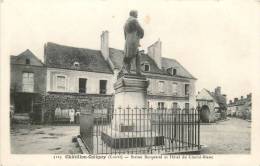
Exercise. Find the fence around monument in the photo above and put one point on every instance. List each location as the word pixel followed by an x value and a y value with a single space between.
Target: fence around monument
pixel 155 131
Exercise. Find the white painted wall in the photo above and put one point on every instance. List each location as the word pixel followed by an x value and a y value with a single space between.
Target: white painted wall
pixel 72 80
pixel 153 89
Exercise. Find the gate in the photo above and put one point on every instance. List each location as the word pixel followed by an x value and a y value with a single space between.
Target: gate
pixel 141 131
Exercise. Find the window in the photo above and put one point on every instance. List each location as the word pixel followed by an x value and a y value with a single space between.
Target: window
pixel 161 86
pixel 161 105
pixel 27 61
pixel 28 82
pixel 174 88
pixel 186 89
pixel 174 106
pixel 76 64
pixel 82 85
pixel 174 71
pixel 146 67
pixel 187 107
pixel 60 83
pixel 103 86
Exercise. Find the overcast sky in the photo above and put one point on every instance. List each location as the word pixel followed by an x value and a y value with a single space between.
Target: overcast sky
pixel 215 40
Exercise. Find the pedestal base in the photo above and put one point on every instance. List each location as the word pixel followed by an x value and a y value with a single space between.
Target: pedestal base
pixel 120 140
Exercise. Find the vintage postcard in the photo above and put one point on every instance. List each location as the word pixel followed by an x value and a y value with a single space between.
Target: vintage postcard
pixel 130 82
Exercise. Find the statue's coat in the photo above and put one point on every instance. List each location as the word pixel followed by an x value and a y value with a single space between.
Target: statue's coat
pixel 133 33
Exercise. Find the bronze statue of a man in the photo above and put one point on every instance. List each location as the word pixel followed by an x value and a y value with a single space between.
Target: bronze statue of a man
pixel 133 33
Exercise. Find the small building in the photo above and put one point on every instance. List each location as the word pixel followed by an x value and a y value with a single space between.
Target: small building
pixel 240 107
pixel 28 83
pixel 212 105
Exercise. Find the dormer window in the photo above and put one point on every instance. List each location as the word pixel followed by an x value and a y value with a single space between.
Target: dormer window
pixel 172 71
pixel 146 66
pixel 76 64
pixel 27 61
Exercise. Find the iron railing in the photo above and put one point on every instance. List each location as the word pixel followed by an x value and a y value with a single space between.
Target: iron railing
pixel 141 131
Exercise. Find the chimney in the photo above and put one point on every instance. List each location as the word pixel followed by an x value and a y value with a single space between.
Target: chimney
pixel 249 96
pixel 218 90
pixel 242 97
pixel 104 44
pixel 155 52
pixel 141 51
pixel 235 100
pixel 230 101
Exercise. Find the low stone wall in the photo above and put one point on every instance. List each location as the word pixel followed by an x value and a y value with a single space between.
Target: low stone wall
pixel 74 101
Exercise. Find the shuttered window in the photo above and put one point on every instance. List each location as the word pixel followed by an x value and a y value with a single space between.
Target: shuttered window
pixel 60 83
pixel 28 82
pixel 161 86
pixel 174 88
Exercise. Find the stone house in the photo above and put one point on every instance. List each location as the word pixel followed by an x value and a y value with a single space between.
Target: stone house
pixel 240 107
pixel 27 84
pixel 80 75
pixel 76 77
pixel 213 105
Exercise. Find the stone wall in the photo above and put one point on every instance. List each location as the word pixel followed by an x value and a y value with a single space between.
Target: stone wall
pixel 75 101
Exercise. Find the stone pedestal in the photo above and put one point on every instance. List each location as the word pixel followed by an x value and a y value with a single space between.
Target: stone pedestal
pixel 131 126
pixel 131 91
pixel 130 104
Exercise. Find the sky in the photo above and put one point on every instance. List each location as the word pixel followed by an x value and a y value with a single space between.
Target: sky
pixel 215 40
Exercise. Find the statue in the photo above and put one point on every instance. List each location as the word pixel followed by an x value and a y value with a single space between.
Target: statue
pixel 133 33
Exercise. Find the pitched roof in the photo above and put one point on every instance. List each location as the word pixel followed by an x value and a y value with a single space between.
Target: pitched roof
pixel 242 101
pixel 27 54
pixel 181 71
pixel 220 99
pixel 60 56
pixel 117 56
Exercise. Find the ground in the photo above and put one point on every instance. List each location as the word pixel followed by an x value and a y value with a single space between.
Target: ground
pixel 227 137
pixel 38 139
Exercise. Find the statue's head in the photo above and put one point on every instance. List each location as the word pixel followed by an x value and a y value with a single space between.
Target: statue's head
pixel 133 13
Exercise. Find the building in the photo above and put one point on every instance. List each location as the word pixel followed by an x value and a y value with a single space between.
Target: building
pixel 213 105
pixel 240 107
pixel 76 77
pixel 28 83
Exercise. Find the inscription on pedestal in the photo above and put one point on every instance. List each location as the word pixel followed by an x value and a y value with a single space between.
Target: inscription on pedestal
pixel 125 128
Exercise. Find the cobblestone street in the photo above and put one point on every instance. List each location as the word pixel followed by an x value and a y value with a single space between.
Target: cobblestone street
pixel 227 137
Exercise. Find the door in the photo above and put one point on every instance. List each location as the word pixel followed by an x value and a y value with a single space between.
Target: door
pixel 204 114
pixel 23 102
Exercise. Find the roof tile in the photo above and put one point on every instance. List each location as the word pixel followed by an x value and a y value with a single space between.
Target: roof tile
pixel 60 56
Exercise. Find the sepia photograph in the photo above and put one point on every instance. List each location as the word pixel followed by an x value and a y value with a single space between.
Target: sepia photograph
pixel 129 79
